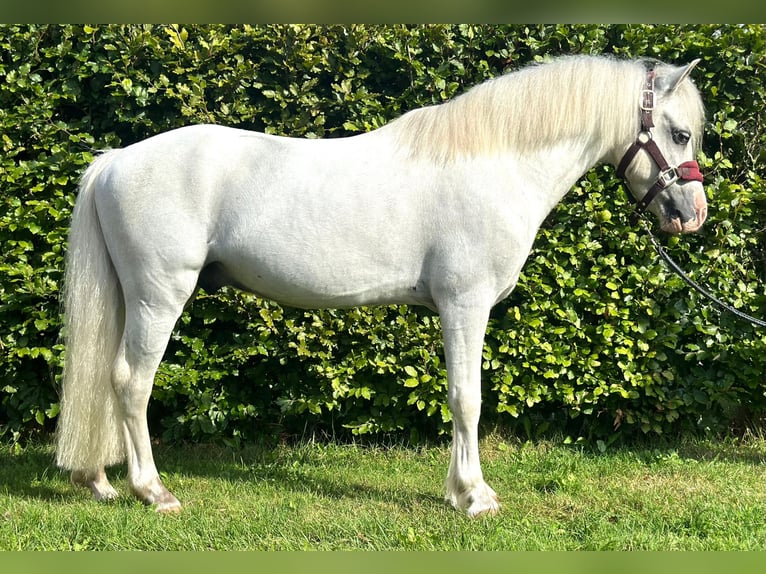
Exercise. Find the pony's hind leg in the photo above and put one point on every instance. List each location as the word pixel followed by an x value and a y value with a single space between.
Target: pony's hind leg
pixel 96 481
pixel 149 321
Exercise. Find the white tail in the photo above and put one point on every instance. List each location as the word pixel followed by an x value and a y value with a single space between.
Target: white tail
pixel 89 434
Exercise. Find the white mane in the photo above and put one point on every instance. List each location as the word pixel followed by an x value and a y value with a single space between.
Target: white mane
pixel 574 96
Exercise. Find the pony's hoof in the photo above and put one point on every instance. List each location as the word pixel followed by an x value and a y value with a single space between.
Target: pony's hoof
pixel 97 482
pixel 484 509
pixel 154 494
pixel 105 494
pixel 481 500
pixel 166 503
pixel 168 507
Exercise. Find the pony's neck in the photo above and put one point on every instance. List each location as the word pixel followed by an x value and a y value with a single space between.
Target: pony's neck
pixel 550 173
pixel 573 99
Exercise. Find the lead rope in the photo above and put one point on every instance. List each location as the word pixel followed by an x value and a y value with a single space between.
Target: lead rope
pixel 689 281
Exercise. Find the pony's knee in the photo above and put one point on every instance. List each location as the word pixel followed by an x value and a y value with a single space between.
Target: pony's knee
pixel 465 407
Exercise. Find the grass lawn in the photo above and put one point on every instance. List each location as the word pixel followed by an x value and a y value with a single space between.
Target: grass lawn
pixel 688 495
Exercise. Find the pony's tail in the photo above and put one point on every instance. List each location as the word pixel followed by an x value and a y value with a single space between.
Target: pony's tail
pixel 89 433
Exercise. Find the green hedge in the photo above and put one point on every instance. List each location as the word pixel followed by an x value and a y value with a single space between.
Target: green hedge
pixel 598 335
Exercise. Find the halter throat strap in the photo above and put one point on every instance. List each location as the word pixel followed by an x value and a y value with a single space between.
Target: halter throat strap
pixel 687 171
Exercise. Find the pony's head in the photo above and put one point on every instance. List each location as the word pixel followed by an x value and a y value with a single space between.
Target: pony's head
pixel 659 166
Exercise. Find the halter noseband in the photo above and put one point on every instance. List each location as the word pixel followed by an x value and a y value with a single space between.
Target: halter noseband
pixel 687 171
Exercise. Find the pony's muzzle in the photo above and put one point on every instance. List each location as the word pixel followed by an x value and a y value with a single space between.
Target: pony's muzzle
pixel 686 216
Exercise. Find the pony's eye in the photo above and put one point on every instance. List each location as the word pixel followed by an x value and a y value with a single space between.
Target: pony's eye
pixel 681 137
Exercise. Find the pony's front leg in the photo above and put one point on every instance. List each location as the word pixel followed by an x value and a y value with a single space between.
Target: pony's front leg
pixel 463 340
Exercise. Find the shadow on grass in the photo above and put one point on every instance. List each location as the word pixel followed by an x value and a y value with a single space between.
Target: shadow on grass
pixel 324 470
pixel 749 450
pixel 724 450
pixel 315 471
pixel 32 474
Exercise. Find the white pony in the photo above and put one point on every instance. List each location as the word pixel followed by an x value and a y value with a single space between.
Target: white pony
pixel 438 208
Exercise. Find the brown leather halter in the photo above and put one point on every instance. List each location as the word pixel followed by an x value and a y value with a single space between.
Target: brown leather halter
pixel 687 171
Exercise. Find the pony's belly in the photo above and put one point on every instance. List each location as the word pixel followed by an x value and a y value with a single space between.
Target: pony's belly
pixel 325 286
pixel 329 296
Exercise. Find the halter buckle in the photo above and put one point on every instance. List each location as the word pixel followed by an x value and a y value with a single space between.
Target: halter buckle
pixel 647 100
pixel 668 177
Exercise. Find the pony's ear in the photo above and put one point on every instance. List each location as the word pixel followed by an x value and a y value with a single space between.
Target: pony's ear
pixel 675 76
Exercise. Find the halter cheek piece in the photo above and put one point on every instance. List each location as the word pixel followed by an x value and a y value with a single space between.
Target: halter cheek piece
pixel 687 171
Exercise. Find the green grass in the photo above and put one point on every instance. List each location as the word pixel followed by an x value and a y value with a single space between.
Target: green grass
pixel 693 495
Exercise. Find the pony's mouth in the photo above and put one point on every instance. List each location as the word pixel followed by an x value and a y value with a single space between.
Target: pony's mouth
pixel 674 224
